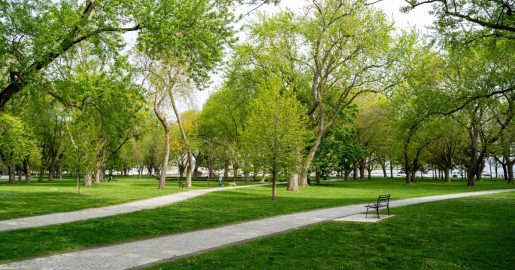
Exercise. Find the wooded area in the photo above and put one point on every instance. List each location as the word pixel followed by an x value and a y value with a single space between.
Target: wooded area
pixel 332 89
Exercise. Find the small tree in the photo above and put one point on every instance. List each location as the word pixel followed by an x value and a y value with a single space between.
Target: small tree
pixel 275 131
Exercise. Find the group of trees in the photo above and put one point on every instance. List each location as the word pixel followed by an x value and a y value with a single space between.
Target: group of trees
pixel 334 88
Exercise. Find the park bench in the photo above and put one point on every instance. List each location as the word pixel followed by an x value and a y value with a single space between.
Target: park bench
pixel 382 201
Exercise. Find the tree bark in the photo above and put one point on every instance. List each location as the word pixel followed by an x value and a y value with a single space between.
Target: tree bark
pixel 293 182
pixel 383 166
pixel 166 130
pixel 12 172
pixel 78 183
pixel 362 169
pixel 355 176
pixel 184 139
pixel 226 169
pixel 303 181
pixel 88 180
pixel 26 170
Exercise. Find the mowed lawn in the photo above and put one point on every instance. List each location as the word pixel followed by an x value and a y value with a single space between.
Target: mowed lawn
pixel 468 233
pixel 29 199
pixel 213 209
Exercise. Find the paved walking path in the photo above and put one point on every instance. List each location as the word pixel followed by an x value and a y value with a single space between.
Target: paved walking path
pixel 124 208
pixel 140 253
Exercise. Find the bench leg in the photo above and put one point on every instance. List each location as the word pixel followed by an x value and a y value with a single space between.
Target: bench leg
pixel 388 207
pixel 366 214
pixel 377 211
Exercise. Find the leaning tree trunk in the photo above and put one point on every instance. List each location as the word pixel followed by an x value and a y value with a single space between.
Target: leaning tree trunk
pixel 184 139
pixel 189 169
pixel 303 181
pixel 166 130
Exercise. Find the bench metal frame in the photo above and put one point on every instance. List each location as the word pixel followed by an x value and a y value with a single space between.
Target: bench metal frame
pixel 382 201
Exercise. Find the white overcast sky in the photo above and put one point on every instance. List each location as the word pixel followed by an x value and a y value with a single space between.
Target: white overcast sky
pixel 418 18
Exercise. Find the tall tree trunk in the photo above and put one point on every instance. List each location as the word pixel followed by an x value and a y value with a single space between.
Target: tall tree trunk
pixel 26 170
pixel 18 171
pixel 509 166
pixel 255 172
pixel 447 175
pixel 303 181
pixel 189 169
pixel 317 177
pixel 210 169
pixel 88 180
pixel 41 172
pixel 273 177
pixel 355 168
pixel 164 165
pixel 383 166
pixel 184 139
pixel 51 169
pixel 362 169
pixel 78 183
pixel 226 169
pixel 12 172
pixel 235 173
pixel 246 176
pixel 166 130
pixel 195 169
pixel 293 182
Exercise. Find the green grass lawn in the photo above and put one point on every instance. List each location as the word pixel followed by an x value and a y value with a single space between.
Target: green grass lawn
pixel 21 199
pixel 468 233
pixel 211 210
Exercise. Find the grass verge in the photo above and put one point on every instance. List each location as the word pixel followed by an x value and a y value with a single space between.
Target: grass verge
pixel 468 233
pixel 214 209
pixel 30 199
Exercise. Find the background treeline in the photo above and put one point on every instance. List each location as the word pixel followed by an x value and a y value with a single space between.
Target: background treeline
pixel 333 88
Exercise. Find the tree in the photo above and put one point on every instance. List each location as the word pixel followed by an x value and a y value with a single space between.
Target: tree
pixel 17 143
pixel 37 34
pixel 328 56
pixel 275 131
pixel 483 18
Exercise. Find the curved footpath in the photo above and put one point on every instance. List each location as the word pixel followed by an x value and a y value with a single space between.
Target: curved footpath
pixel 144 252
pixel 118 209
